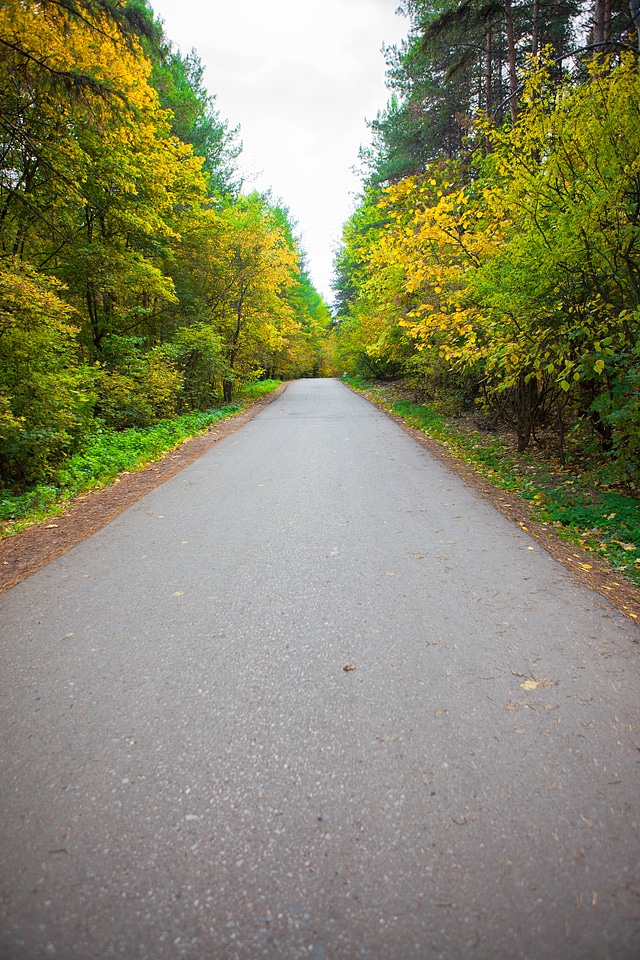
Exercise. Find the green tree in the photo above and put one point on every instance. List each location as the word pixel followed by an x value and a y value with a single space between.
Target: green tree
pixel 195 120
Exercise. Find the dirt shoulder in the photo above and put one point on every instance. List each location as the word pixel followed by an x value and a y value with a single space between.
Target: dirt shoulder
pixel 24 553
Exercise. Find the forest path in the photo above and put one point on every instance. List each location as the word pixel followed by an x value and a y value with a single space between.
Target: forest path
pixel 189 771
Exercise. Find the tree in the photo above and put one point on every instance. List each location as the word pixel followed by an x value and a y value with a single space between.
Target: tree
pixel 460 58
pixel 234 269
pixel 46 397
pixel 179 82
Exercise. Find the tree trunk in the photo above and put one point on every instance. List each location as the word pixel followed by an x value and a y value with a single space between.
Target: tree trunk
pixel 535 31
pixel 513 76
pixel 227 385
pixel 562 456
pixel 598 21
pixel 488 72
pixel 525 399
pixel 602 21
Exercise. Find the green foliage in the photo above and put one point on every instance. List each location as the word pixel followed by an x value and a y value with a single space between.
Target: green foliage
pixel 143 387
pixel 45 392
pixel 259 388
pixel 198 355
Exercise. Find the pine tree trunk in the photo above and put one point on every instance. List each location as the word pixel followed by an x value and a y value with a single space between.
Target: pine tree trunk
pixel 488 72
pixel 513 77
pixel 598 21
pixel 535 32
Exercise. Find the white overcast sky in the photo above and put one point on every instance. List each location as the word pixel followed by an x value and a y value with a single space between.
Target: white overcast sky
pixel 300 77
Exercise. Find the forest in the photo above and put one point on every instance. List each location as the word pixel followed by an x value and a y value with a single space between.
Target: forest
pixel 139 283
pixel 493 258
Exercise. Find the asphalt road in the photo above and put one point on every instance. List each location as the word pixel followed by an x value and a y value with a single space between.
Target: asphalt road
pixel 188 771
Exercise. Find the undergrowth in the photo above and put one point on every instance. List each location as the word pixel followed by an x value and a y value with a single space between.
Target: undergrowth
pixel 580 506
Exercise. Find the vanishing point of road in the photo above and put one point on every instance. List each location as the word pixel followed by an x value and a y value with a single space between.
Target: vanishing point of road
pixel 188 769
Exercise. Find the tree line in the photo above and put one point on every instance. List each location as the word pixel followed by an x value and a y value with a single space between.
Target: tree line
pixel 493 257
pixel 137 280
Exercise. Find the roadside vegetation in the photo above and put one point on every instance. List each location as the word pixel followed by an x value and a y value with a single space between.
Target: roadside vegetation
pixel 576 500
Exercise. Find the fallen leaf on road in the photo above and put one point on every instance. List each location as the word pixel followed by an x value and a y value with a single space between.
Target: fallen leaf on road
pixel 534 684
pixel 348 666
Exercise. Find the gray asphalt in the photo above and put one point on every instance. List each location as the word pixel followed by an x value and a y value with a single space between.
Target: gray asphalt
pixel 188 771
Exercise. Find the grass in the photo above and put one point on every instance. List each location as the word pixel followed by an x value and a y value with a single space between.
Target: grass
pixel 252 391
pixel 578 505
pixel 107 454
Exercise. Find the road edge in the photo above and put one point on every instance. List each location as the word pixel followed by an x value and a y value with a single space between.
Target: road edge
pixel 24 553
pixel 586 568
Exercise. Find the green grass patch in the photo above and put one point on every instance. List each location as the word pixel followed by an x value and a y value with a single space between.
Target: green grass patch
pixel 258 388
pixel 578 506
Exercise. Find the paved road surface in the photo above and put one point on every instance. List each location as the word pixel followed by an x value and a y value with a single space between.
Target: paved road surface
pixel 188 771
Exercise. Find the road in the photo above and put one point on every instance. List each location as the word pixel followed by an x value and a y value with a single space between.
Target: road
pixel 189 771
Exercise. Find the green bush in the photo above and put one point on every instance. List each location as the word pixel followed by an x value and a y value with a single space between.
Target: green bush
pixel 46 394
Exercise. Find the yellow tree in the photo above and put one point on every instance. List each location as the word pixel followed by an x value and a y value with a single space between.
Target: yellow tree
pixel 561 298
pixel 428 234
pixel 95 177
pixel 370 297
pixel 45 393
pixel 234 267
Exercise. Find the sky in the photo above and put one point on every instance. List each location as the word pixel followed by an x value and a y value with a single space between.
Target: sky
pixel 300 78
